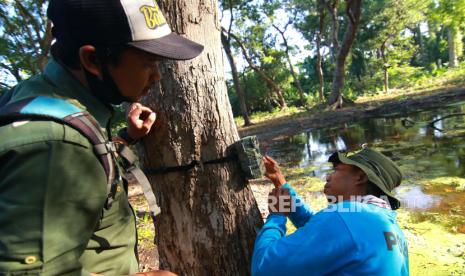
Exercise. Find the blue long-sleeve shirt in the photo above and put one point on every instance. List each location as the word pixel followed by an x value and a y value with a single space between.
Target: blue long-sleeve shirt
pixel 347 238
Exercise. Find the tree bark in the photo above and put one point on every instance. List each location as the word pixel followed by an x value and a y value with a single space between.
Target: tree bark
pixel 319 69
pixel 237 85
pixel 291 67
pixel 46 43
pixel 209 217
pixel 279 93
pixel 353 12
pixel 319 58
pixel 385 66
pixel 421 44
pixel 332 6
pixel 451 43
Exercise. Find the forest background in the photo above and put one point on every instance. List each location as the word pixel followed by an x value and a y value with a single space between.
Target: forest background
pixel 299 56
pixel 289 53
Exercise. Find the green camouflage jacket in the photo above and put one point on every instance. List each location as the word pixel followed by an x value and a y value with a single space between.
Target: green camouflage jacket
pixel 53 190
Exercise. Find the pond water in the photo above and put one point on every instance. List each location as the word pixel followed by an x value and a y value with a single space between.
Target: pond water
pixel 431 156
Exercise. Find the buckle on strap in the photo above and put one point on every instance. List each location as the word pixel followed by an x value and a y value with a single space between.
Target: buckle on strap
pixel 126 153
pixel 105 148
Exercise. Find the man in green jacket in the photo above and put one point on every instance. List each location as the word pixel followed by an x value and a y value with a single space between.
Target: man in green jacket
pixel 53 188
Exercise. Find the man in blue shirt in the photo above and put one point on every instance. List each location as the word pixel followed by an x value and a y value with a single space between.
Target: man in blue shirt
pixel 357 234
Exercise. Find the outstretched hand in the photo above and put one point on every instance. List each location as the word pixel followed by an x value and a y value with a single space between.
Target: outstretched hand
pixel 140 120
pixel 273 172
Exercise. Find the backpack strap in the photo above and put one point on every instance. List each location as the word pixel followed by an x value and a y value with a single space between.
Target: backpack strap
pixel 132 170
pixel 58 110
pixel 63 112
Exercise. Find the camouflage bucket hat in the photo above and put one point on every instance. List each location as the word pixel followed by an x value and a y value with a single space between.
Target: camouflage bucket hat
pixel 380 170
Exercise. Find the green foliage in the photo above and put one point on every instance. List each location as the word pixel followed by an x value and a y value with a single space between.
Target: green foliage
pixel 450 15
pixel 25 40
pixel 118 120
pixel 268 115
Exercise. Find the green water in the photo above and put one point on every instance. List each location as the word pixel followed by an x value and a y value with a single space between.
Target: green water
pixel 422 152
pixel 432 160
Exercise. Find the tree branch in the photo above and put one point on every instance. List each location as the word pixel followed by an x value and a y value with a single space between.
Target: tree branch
pixel 13 70
pixel 47 42
pixel 349 13
pixel 230 21
pixel 264 77
pixel 32 19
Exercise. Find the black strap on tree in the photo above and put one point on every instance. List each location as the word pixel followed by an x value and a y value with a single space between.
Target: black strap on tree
pixel 194 163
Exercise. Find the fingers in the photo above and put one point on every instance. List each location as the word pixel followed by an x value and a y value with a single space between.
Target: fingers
pixel 268 160
pixel 135 107
pixel 271 160
pixel 148 122
pixel 145 112
pixel 137 111
pixel 140 120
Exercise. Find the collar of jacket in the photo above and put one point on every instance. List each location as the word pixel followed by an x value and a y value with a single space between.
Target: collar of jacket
pixel 371 199
pixel 76 93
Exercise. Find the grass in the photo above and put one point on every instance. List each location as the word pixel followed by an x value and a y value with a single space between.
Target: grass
pixel 145 232
pixel 259 117
pixel 145 228
pixel 436 241
pixel 440 79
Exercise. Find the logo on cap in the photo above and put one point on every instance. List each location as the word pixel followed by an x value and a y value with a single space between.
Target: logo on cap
pixel 153 16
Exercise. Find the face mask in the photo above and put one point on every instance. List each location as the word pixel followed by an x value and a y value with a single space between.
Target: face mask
pixel 105 90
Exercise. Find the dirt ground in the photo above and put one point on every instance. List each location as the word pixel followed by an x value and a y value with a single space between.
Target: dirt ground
pixel 320 117
pixel 278 128
pixel 148 253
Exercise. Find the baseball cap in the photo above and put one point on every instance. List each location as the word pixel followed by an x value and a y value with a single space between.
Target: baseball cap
pixel 380 170
pixel 139 24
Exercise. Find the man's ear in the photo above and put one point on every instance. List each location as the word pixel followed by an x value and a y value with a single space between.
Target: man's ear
pixel 89 61
pixel 362 178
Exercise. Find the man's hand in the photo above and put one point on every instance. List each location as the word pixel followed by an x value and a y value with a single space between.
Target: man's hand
pixel 280 201
pixel 140 120
pixel 273 172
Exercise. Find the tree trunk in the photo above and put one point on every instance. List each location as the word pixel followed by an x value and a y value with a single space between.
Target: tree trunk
pixel 269 82
pixel 291 67
pixel 46 43
pixel 319 69
pixel 332 6
pixel 237 85
pixel 209 217
pixel 385 66
pixel 296 80
pixel 421 44
pixel 279 94
pixel 386 79
pixel 353 12
pixel 319 58
pixel 452 53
